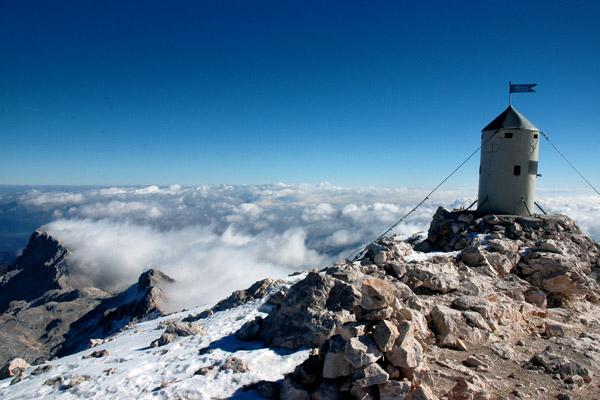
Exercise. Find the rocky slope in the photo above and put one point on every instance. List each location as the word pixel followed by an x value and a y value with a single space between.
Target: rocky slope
pixel 496 307
pixel 45 312
pixel 484 307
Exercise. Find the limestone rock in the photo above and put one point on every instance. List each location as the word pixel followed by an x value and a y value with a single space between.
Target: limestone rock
pixel 394 390
pixel 406 352
pixel 369 375
pixel 249 330
pixel 376 294
pixel 335 364
pixel 184 329
pixel 385 335
pixel 234 364
pixel 442 278
pixel 310 313
pixel 12 368
pixel 361 351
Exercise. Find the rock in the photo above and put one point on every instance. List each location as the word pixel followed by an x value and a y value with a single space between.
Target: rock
pixel 503 246
pixel 257 291
pixel 363 393
pixel 385 335
pixel 96 354
pixel 311 312
pixel 267 389
pixel 374 315
pixel 406 353
pixel 491 219
pixel 204 370
pixel 376 294
pixel 361 351
pixel 55 382
pixel 335 364
pixel 234 364
pixel 441 278
pixel 536 297
pixel 503 264
pixel 573 368
pixel 95 342
pixel 474 362
pixel 503 351
pixel 164 339
pixel 12 368
pixel 292 391
pixel 42 369
pixel 556 273
pixel 422 392
pixel 464 390
pixel 548 360
pixel 351 329
pixel 548 245
pixel 472 256
pixel 369 375
pixel 141 301
pixel 184 329
pixel 75 380
pixel 554 329
pixel 309 373
pixel 394 390
pixel 326 391
pixel 202 315
pixel 250 330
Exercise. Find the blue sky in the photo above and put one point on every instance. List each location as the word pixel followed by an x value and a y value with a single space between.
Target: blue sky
pixel 353 93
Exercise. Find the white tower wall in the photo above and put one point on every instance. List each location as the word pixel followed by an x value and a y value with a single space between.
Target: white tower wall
pixel 509 166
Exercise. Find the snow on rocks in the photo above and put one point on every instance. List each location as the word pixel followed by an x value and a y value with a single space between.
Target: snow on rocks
pixel 466 313
pixel 131 369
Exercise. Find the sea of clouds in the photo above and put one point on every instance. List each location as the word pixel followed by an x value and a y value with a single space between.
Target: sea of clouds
pixel 215 239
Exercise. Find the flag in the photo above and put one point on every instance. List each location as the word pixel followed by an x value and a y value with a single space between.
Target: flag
pixel 522 87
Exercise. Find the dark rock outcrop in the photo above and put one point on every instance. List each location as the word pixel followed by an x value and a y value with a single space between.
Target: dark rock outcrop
pixel 142 301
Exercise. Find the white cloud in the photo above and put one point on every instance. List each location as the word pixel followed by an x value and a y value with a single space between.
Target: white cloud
pixel 218 238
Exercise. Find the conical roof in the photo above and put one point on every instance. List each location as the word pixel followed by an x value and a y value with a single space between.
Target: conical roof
pixel 510 119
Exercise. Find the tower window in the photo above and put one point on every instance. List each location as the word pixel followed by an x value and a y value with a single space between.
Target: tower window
pixel 508 135
pixel 517 170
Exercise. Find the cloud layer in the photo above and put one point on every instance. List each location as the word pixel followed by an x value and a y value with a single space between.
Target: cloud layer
pixel 215 239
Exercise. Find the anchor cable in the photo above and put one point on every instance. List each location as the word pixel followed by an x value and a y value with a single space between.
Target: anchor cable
pixel 571 164
pixel 358 252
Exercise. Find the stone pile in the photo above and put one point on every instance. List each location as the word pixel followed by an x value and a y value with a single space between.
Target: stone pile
pixel 467 313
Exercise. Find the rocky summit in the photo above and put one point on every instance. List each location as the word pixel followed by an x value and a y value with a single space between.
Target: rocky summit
pixel 484 307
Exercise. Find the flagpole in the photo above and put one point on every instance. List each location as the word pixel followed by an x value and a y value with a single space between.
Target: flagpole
pixel 509 94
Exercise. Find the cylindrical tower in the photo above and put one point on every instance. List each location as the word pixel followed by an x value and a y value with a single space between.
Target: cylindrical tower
pixel 509 165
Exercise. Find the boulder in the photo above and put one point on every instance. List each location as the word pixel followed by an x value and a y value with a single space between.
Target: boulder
pixel 536 297
pixel 441 278
pixel 335 364
pixel 422 392
pixel 164 339
pixel 361 351
pixel 377 294
pixel 385 335
pixel 464 390
pixel 293 391
pixel 394 390
pixel 369 375
pixel 407 353
pixel 184 329
pixel 234 364
pixel 12 368
pixel 310 312
pixel 249 330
